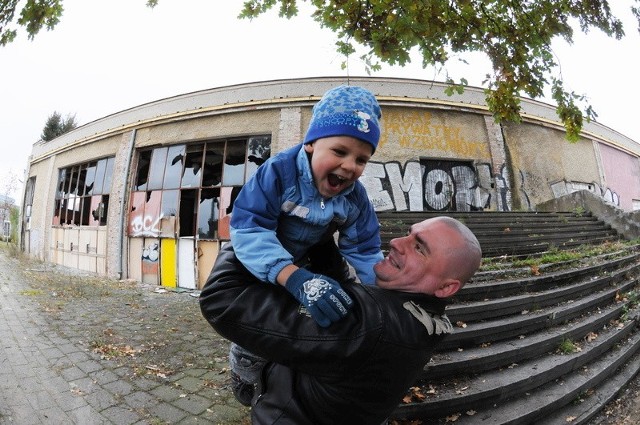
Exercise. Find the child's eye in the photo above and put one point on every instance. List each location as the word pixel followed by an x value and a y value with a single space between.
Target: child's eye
pixel 339 152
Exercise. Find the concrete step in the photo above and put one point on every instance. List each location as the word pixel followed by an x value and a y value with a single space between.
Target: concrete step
pixel 478 333
pixel 501 365
pixel 533 301
pixel 501 354
pixel 503 288
pixel 511 233
pixel 503 389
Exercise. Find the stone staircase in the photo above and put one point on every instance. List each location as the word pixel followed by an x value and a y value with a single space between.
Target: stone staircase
pixel 513 233
pixel 541 337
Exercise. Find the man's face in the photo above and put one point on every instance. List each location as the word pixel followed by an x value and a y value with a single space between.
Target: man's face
pixel 337 162
pixel 419 262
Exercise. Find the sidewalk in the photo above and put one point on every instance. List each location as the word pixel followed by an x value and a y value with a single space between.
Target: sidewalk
pixel 76 349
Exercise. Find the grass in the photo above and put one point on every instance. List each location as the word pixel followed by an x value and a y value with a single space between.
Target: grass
pixel 555 255
pixel 567 346
pixel 31 292
pixel 633 299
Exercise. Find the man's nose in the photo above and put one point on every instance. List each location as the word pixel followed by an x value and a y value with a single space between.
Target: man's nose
pixel 398 243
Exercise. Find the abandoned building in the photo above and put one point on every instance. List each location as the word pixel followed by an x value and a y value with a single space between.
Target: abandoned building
pixel 146 193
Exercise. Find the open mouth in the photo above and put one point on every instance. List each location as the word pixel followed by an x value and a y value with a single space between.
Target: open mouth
pixel 393 262
pixel 335 180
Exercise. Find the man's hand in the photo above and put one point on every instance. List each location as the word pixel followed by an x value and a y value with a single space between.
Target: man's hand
pixel 322 296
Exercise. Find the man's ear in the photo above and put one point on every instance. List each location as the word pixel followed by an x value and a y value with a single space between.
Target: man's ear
pixel 448 288
pixel 308 147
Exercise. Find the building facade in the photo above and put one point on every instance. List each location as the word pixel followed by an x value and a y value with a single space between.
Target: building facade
pixel 146 193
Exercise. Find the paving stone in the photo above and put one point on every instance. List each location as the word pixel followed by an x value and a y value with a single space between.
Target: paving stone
pixel 69 401
pixel 89 366
pixel 189 384
pixel 140 400
pixel 145 384
pixel 103 377
pixel 49 373
pixel 77 357
pixel 101 400
pixel 72 373
pixel 167 413
pixel 192 403
pixel 166 393
pixel 53 415
pixel 41 400
pixel 119 388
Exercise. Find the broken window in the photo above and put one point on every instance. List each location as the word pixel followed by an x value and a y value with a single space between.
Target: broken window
pixel 208 213
pixel 173 169
pixel 144 159
pixel 169 213
pixel 208 175
pixel 193 166
pixel 81 196
pixel 234 163
pixel 214 154
pixel 258 151
pixel 156 170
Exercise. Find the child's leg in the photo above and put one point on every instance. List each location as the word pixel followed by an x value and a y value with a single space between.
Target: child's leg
pixel 246 368
pixel 245 364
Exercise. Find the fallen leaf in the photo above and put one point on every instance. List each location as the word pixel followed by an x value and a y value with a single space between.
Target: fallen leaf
pixel 453 417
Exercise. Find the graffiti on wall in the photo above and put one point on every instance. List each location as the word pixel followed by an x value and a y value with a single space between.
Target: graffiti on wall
pixel 145 214
pixel 149 263
pixel 145 225
pixel 435 185
pixel 564 187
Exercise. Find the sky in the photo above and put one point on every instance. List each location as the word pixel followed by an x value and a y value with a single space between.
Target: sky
pixel 101 60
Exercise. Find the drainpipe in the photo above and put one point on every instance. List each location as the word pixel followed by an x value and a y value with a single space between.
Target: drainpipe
pixel 123 201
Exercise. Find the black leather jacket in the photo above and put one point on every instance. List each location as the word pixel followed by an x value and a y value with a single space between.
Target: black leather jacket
pixel 354 372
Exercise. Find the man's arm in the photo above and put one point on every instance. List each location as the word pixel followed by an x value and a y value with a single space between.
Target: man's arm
pixel 266 320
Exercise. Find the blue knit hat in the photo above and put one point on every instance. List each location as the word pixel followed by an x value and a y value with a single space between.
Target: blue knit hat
pixel 346 111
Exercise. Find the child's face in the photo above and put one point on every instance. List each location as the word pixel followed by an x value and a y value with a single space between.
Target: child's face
pixel 337 162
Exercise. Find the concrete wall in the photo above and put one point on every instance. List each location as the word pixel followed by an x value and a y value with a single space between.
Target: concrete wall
pixel 543 161
pixel 622 176
pixel 624 222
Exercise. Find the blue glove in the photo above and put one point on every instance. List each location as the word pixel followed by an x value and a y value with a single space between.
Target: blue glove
pixel 322 296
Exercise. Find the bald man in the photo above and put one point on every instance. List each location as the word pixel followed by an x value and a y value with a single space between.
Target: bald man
pixel 357 370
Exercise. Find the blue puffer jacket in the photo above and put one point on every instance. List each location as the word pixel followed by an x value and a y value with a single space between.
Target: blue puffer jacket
pixel 279 214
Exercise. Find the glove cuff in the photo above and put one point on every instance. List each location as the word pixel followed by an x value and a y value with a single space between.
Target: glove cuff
pixel 297 279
